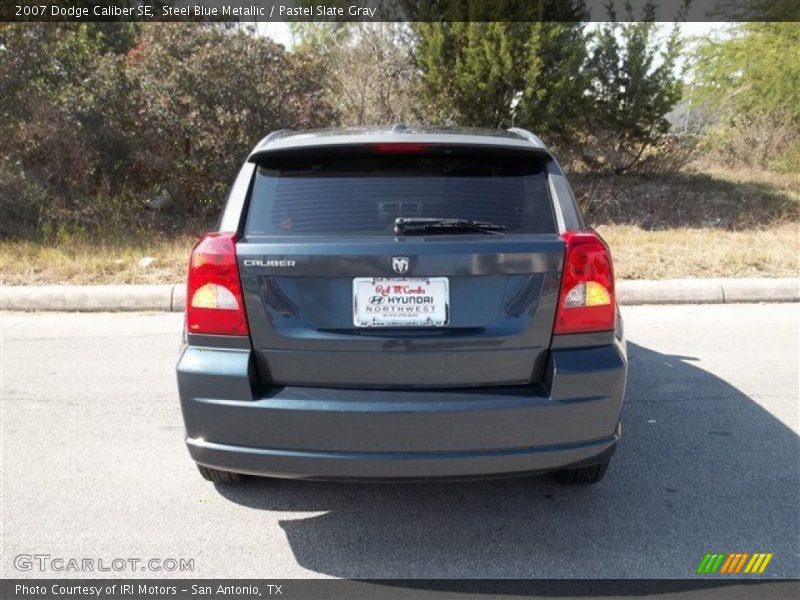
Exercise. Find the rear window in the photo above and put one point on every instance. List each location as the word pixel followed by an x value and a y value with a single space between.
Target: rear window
pixel 363 194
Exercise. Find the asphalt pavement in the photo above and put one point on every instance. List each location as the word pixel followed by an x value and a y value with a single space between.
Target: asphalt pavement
pixel 94 467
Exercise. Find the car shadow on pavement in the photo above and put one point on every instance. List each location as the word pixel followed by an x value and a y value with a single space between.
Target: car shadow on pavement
pixel 701 468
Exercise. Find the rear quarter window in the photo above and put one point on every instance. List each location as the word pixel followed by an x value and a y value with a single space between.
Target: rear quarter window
pixel 363 194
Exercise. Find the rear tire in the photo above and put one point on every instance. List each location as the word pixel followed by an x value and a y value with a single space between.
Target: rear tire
pixel 223 477
pixel 582 475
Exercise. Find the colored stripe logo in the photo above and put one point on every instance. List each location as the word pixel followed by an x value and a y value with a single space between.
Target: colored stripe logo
pixel 734 562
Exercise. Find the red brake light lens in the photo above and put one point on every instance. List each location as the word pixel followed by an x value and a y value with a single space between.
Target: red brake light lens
pixel 399 148
pixel 586 302
pixel 214 301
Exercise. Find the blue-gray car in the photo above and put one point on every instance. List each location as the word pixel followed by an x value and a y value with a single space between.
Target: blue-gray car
pixel 401 303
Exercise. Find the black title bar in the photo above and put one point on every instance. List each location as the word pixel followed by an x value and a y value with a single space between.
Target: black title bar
pixel 394 10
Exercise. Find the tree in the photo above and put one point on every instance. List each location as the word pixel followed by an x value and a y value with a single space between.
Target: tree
pixel 94 127
pixel 471 72
pixel 369 75
pixel 48 162
pixel 208 94
pixel 757 10
pixel 41 59
pixel 519 69
pixel 554 105
pixel 751 80
pixel 633 85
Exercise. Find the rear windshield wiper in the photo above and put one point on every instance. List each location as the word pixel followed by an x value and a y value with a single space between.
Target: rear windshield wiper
pixel 416 225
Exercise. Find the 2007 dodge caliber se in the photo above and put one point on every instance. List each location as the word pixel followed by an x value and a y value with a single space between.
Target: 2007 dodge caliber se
pixel 391 303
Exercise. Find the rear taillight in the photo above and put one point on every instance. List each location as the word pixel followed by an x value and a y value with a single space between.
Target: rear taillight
pixel 214 302
pixel 586 302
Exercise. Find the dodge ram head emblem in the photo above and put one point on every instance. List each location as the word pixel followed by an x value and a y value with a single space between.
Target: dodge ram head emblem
pixel 400 264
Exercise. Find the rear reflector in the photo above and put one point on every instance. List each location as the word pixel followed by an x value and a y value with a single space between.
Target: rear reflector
pixel 214 303
pixel 586 302
pixel 399 148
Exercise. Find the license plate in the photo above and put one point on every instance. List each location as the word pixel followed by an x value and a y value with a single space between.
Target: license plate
pixel 401 301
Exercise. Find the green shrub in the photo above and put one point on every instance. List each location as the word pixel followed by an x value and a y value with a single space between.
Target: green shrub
pixel 751 82
pixel 97 129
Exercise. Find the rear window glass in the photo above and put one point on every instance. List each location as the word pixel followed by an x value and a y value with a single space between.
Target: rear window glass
pixel 364 194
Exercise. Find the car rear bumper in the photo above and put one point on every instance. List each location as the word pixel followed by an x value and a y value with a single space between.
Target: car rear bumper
pixel 295 464
pixel 234 424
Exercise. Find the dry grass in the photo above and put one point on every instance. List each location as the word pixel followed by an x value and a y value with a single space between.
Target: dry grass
pixel 706 222
pixel 727 199
pixel 787 183
pixel 709 223
pixel 638 254
pixel 82 262
pixel 685 252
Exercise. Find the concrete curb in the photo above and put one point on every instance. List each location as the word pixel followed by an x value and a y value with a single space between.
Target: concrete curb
pixel 87 298
pixel 94 298
pixel 708 291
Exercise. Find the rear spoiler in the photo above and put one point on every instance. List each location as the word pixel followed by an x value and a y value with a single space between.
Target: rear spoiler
pixel 285 147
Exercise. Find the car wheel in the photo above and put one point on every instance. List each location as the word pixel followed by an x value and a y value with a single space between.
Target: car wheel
pixel 217 476
pixel 582 475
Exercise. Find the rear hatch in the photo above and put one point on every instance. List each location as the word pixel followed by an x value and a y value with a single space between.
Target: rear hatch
pixel 336 298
